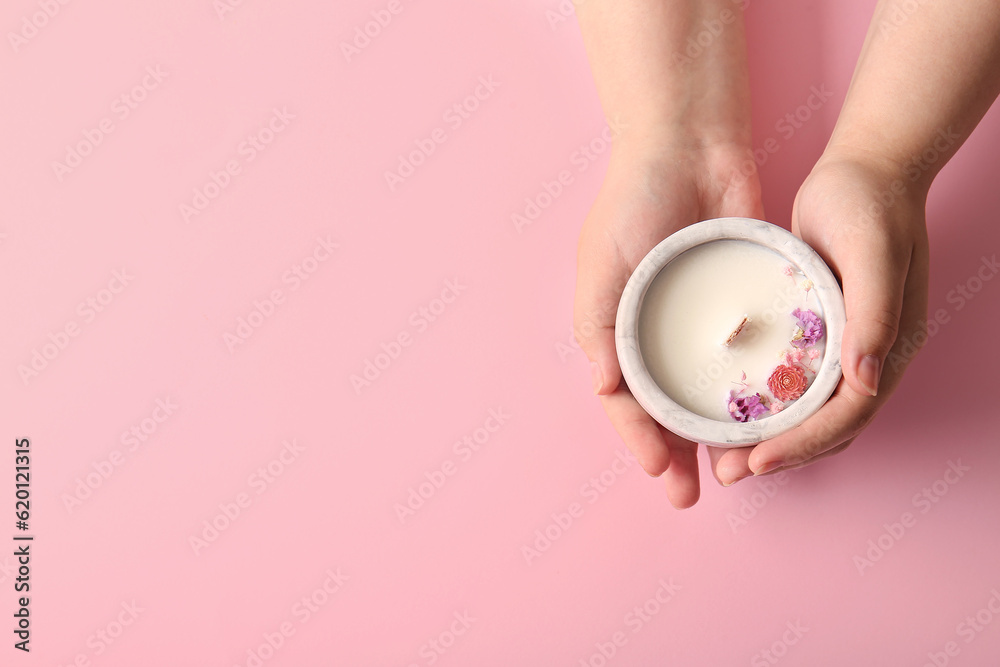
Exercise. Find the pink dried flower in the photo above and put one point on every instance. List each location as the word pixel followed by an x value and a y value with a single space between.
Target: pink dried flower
pixel 809 330
pixel 746 408
pixel 787 382
pixel 742 383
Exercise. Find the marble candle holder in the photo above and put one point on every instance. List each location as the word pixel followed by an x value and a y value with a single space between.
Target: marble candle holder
pixel 668 411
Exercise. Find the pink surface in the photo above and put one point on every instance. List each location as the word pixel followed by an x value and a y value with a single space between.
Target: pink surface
pixel 480 402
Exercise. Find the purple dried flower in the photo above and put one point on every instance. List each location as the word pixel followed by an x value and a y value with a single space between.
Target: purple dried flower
pixel 810 328
pixel 746 408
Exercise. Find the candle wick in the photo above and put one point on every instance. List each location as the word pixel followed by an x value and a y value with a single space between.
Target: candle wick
pixel 736 332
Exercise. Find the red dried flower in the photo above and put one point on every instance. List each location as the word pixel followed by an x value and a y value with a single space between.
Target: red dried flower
pixel 787 382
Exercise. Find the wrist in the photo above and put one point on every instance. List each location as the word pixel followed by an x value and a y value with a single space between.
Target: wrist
pixel 913 161
pixel 663 150
pixel 715 179
pixel 643 135
pixel 893 178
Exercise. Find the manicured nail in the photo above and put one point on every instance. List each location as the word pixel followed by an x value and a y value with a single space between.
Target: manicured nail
pixel 768 467
pixel 597 376
pixel 869 371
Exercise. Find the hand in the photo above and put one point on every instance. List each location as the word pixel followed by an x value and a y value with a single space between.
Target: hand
pixel 644 199
pixel 879 252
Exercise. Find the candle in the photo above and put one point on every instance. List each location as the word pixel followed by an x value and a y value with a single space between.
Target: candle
pixel 734 302
pixel 729 332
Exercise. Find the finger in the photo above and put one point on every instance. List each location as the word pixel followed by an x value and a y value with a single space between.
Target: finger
pixel 873 275
pixel 828 453
pixel 845 415
pixel 913 321
pixel 640 432
pixel 681 478
pixel 601 276
pixel 730 465
pixel 714 454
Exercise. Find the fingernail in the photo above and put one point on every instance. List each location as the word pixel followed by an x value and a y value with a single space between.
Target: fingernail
pixel 597 376
pixel 768 467
pixel 727 485
pixel 869 371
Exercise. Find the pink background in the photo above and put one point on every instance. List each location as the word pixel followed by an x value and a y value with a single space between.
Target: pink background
pixel 740 569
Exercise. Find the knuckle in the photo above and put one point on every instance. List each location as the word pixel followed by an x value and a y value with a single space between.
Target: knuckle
pixel 884 324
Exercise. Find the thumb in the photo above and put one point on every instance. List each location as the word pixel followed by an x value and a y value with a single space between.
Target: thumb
pixel 873 274
pixel 601 277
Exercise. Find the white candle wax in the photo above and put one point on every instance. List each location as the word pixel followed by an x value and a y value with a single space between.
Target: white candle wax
pixel 697 302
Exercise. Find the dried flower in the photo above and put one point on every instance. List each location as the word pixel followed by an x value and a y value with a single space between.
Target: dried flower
pixel 776 407
pixel 742 382
pixel 746 408
pixel 787 382
pixel 809 330
pixel 793 357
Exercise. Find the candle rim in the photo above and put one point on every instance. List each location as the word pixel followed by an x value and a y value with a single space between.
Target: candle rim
pixel 665 409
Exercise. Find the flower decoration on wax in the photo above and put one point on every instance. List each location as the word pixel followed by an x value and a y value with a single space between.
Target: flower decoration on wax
pixel 809 330
pixel 787 382
pixel 790 379
pixel 746 408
